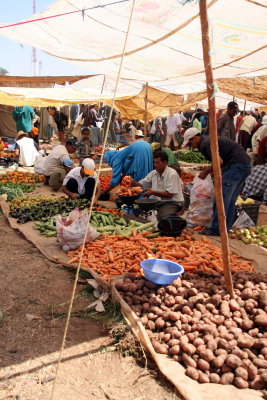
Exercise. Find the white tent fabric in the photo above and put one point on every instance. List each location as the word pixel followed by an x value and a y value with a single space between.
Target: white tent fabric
pixel 164 44
pixel 44 97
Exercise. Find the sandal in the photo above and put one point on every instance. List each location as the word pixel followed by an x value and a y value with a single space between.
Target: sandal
pixel 207 232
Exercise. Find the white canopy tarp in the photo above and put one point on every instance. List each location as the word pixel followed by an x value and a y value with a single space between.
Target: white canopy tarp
pixel 44 97
pixel 164 44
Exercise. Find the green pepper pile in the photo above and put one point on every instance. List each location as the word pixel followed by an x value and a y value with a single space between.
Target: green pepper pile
pixel 191 156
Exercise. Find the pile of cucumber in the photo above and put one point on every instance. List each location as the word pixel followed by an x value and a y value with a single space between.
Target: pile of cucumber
pixel 47 226
pixel 109 224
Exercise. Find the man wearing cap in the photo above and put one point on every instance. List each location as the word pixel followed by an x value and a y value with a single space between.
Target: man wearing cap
pixel 57 156
pixel 25 149
pixel 225 124
pixel 80 181
pixel 172 160
pixel 235 164
pixel 164 183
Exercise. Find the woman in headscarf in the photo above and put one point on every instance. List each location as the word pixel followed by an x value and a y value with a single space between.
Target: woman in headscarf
pixel 135 160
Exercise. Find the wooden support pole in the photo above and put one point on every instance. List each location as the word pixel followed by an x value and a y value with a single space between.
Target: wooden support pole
pixel 145 114
pixel 214 146
pixel 245 103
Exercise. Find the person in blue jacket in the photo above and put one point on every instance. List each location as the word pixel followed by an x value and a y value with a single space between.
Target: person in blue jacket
pixel 135 160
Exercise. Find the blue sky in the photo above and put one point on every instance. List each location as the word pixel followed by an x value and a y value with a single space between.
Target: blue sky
pixel 16 58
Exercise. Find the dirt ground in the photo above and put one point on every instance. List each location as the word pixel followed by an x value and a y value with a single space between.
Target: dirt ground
pixel 33 293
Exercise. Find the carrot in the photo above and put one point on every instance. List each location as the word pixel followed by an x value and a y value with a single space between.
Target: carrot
pixel 73 260
pixel 189 267
pixel 197 228
pixel 134 232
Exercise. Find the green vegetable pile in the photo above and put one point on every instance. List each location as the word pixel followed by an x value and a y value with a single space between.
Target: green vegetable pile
pixel 14 190
pixel 47 228
pixel 252 234
pixel 44 210
pixel 104 222
pixel 191 156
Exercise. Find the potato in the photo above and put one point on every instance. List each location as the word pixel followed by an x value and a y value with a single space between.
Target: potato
pixel 187 310
pixel 173 342
pixel 152 316
pixel 192 373
pixel 223 344
pixel 206 355
pixel 150 325
pixel 234 306
pixel 215 299
pixel 188 348
pixel 203 378
pixel 227 379
pixel 264 376
pixel 150 285
pixel 198 341
pixel 238 352
pixel 240 382
pixel 169 301
pixel 225 369
pixel 214 378
pixel 174 316
pixel 212 345
pixel 260 343
pixel 159 348
pixel 159 323
pixel 252 371
pixel 263 298
pixel 258 383
pixel 203 365
pixel 219 319
pixel 175 350
pixel 149 333
pixel 166 337
pixel 233 361
pixel 261 320
pixel 251 354
pixel 145 307
pixel 260 363
pixel 225 309
pixel 247 324
pixel 188 361
pixel 219 360
pixel 190 336
pixel 246 294
pixel 245 341
pixel 132 287
pixel 242 373
pixel 177 283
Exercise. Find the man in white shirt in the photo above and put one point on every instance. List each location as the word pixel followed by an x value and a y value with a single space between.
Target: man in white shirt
pixel 25 149
pixel 57 156
pixel 164 183
pixel 80 181
pixel 246 126
pixel 173 123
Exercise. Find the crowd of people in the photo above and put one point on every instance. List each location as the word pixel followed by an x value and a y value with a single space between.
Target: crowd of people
pixel 147 155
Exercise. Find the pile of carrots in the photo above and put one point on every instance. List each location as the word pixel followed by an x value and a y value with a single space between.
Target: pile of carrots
pixel 186 176
pixel 116 255
pixel 113 211
pixel 105 182
pixel 21 177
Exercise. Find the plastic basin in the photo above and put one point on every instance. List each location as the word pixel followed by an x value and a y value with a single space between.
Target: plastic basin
pixel 162 272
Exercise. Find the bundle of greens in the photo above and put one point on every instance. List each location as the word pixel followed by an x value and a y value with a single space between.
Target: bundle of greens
pixel 14 190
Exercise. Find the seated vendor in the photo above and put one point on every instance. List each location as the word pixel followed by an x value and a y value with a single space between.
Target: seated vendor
pixel 164 183
pixel 80 181
pixel 172 160
pixel 57 177
pixel 256 184
pixel 25 150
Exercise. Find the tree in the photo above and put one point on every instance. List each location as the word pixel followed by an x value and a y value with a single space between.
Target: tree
pixel 3 71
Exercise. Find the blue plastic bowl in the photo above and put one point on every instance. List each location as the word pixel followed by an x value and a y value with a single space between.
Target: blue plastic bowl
pixel 162 272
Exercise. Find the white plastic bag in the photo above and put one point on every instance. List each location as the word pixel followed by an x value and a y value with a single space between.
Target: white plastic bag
pixel 201 202
pixel 243 220
pixel 38 164
pixel 71 230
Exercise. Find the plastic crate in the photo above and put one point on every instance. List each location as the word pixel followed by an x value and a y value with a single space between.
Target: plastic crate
pixel 251 209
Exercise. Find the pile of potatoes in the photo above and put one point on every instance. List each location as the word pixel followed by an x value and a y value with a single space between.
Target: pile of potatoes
pixel 193 320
